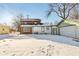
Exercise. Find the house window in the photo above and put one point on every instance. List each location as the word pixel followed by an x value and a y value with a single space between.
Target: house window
pixel 26 29
pixel 47 28
pixel 35 22
pixel 25 23
pixel 43 29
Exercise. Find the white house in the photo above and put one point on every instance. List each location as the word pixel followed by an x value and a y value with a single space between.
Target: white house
pixel 43 29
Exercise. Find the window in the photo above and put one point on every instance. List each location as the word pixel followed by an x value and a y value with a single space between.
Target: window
pixel 43 28
pixel 25 22
pixel 35 22
pixel 47 28
pixel 26 29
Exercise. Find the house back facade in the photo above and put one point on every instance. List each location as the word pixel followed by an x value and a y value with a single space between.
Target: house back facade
pixel 27 24
pixel 34 26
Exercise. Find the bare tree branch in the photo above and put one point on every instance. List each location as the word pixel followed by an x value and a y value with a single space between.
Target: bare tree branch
pixel 61 9
pixel 74 13
pixel 16 21
pixel 70 10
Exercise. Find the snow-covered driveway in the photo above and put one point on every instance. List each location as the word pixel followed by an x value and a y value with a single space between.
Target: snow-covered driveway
pixel 54 38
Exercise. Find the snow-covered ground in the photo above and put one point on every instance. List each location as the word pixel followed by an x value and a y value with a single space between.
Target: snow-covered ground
pixel 37 45
pixel 4 36
pixel 54 38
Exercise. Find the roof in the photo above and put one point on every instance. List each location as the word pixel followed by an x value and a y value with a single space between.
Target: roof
pixel 75 20
pixel 30 19
pixel 69 22
pixel 60 22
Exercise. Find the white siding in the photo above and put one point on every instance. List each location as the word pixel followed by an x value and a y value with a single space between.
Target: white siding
pixel 71 31
pixel 36 29
pixel 41 30
pixel 47 30
pixel 77 32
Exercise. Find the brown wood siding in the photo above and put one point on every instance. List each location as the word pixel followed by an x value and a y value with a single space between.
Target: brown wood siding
pixel 30 22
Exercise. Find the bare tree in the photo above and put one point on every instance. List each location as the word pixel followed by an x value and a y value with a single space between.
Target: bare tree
pixel 16 21
pixel 61 9
pixel 74 13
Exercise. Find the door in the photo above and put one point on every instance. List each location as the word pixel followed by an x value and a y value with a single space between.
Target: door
pixel 54 31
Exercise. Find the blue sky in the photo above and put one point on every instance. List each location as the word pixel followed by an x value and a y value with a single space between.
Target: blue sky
pixel 39 10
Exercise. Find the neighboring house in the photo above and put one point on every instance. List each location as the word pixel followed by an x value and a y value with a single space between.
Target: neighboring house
pixel 4 29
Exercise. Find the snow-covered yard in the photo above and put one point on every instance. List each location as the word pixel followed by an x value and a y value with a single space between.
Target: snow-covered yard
pixel 37 45
pixel 4 36
pixel 54 38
